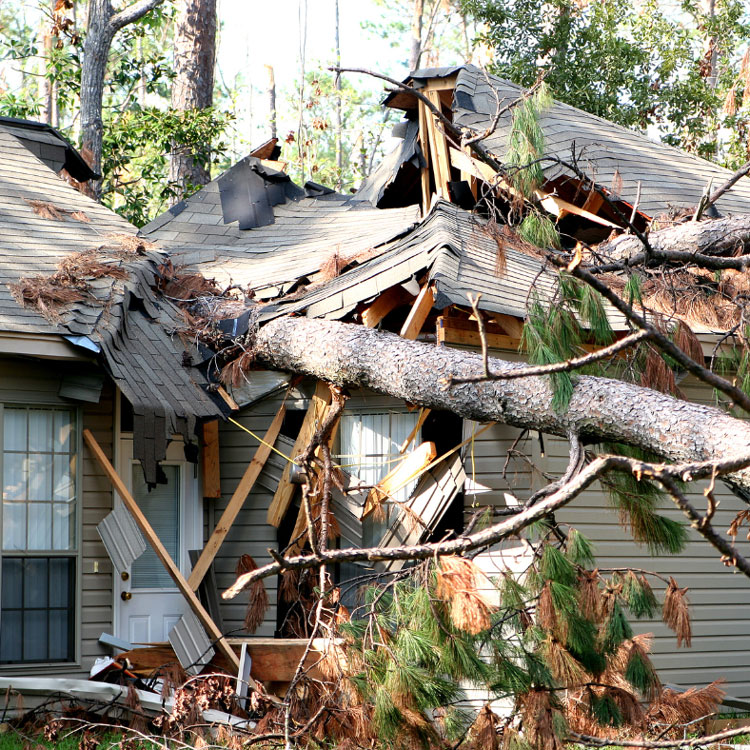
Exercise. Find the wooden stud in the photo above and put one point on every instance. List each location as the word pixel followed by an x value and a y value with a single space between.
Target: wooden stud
pixel 410 468
pixel 418 313
pixel 237 501
pixel 509 323
pixel 438 149
pixel 210 464
pixel 285 491
pixel 388 301
pixel 424 142
pixel 174 572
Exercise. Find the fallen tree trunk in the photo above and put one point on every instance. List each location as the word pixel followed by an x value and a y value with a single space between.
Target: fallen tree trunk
pixel 601 409
pixel 715 237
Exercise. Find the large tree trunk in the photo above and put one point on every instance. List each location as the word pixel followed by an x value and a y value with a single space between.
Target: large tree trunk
pixel 715 237
pixel 600 409
pixel 193 87
pixel 103 24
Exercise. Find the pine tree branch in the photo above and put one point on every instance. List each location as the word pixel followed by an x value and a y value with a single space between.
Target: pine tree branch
pixel 586 739
pixel 133 13
pixel 503 530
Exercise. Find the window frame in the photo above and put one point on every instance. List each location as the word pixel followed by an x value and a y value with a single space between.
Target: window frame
pixel 76 554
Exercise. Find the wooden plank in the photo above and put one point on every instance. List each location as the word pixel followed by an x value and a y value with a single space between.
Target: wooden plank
pixel 425 146
pixel 411 467
pixel 552 203
pixel 237 500
pixel 174 572
pixel 509 323
pixel 284 492
pixel 418 313
pixel 439 149
pixel 228 400
pixel 593 202
pixel 210 464
pixel 452 331
pixel 388 301
pixel 423 414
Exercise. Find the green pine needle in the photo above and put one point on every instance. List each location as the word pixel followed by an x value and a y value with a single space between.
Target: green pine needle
pixel 616 629
pixel 633 290
pixel 606 712
pixel 639 596
pixel 579 549
pixel 556 567
pixel 539 230
pixel 640 673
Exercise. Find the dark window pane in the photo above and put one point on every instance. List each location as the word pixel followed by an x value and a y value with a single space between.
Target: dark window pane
pixel 11 636
pixel 60 582
pixel 12 583
pixel 60 629
pixel 35 646
pixel 35 582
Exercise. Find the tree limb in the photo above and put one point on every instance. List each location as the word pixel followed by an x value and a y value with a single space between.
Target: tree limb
pixel 133 13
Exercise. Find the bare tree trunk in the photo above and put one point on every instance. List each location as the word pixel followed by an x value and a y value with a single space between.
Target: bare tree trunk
pixel 416 35
pixel 601 409
pixel 337 87
pixel 193 88
pixel 103 24
pixel 271 99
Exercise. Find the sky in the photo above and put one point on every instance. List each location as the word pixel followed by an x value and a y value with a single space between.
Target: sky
pixel 252 37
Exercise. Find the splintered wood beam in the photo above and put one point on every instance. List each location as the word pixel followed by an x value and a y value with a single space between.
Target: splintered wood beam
pixel 438 149
pixel 228 400
pixel 466 333
pixel 552 203
pixel 387 302
pixel 285 491
pixel 418 313
pixel 510 324
pixel 210 463
pixel 151 537
pixel 424 142
pixel 411 467
pixel 228 517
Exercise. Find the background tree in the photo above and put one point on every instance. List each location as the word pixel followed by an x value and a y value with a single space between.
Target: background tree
pixel 193 86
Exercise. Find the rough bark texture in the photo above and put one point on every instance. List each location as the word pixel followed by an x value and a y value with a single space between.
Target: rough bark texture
pixel 600 409
pixel 193 87
pixel 103 24
pixel 714 237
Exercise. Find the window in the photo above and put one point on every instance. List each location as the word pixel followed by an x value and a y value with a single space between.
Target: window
pixel 369 447
pixel 39 545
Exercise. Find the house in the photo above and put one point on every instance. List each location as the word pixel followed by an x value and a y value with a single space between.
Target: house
pixel 403 253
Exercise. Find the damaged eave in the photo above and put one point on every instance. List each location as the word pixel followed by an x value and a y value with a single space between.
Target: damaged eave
pixel 42 346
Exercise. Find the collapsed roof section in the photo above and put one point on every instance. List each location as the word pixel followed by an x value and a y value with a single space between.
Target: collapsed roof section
pixel 79 271
pixel 630 167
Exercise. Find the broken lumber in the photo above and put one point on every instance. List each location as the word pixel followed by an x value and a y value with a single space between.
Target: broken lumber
pixel 285 491
pixel 466 333
pixel 237 501
pixel 386 303
pixel 174 572
pixel 418 313
pixel 411 467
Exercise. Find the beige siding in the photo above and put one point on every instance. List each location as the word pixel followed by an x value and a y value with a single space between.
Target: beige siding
pixel 250 534
pixel 720 599
pixel 26 382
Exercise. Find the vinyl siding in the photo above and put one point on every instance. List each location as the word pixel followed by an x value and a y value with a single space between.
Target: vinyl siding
pixel 23 381
pixel 720 599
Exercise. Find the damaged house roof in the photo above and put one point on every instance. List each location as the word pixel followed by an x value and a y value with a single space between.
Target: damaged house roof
pixel 102 300
pixel 614 157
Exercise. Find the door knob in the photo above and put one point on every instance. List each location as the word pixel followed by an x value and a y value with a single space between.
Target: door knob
pixel 126 596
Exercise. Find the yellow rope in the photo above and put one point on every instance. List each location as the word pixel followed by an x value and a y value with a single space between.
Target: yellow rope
pixel 260 440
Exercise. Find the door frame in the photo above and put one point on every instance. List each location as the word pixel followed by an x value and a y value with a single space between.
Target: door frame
pixel 191 513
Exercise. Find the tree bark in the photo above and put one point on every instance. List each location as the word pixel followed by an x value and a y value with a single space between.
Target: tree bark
pixel 714 237
pixel 601 409
pixel 193 87
pixel 415 53
pixel 103 24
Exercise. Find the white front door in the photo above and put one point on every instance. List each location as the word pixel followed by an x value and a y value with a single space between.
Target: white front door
pixel 147 603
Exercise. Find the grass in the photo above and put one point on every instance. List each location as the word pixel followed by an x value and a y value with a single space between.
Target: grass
pixel 11 739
